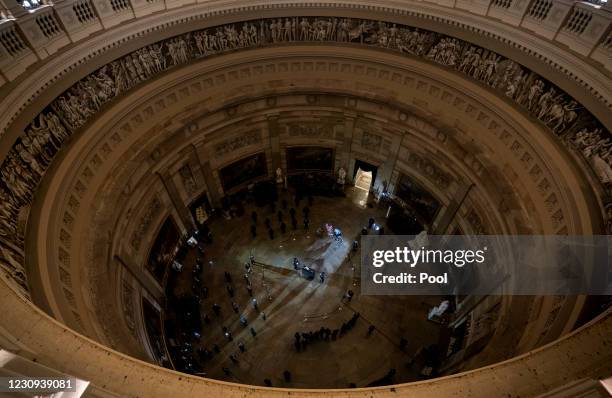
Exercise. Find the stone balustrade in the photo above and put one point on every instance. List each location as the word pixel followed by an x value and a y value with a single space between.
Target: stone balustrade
pixel 568 367
pixel 31 31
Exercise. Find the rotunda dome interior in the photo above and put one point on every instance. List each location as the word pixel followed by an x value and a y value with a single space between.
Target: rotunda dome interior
pixel 192 194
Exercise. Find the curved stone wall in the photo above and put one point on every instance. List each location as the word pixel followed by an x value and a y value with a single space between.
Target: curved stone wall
pixel 33 151
pixel 585 353
pixel 521 170
pixel 470 106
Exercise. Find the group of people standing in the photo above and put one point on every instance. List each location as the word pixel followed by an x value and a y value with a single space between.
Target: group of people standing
pixel 281 217
pixel 302 340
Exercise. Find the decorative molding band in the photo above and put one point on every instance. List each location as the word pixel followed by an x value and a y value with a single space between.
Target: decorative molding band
pixel 579 71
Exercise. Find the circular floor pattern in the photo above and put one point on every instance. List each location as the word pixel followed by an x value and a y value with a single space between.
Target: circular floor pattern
pixel 291 303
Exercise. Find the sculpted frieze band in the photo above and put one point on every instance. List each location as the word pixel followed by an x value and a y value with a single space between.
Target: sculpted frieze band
pixel 26 163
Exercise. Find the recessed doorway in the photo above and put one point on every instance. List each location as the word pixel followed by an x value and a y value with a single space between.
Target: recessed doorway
pixel 364 175
pixel 363 180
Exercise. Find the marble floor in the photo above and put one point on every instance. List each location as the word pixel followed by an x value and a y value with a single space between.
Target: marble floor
pixel 293 304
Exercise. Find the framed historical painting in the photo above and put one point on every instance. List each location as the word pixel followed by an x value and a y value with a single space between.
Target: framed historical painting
pixel 243 170
pixel 310 158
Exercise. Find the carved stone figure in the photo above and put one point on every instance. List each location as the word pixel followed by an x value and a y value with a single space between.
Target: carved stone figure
pixel 603 167
pixel 29 159
pixel 609 220
pixel 7 215
pixel 156 53
pixel 536 90
pixel 55 127
pixel 545 102
pixel 555 116
pixel 341 176
pixel 279 176
pixel 188 179
pixel 17 189
pixel 37 140
pixel 173 51
pixel 18 178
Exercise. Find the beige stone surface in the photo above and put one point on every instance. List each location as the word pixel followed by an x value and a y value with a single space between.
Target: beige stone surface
pixel 586 352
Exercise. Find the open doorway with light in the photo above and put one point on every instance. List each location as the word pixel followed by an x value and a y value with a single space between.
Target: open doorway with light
pixel 364 175
pixel 363 180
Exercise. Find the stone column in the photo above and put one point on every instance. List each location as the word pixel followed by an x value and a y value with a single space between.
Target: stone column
pixel 143 277
pixel 211 184
pixel 385 172
pixel 196 169
pixel 446 217
pixel 175 197
pixel 347 143
pixel 274 133
pixel 350 120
